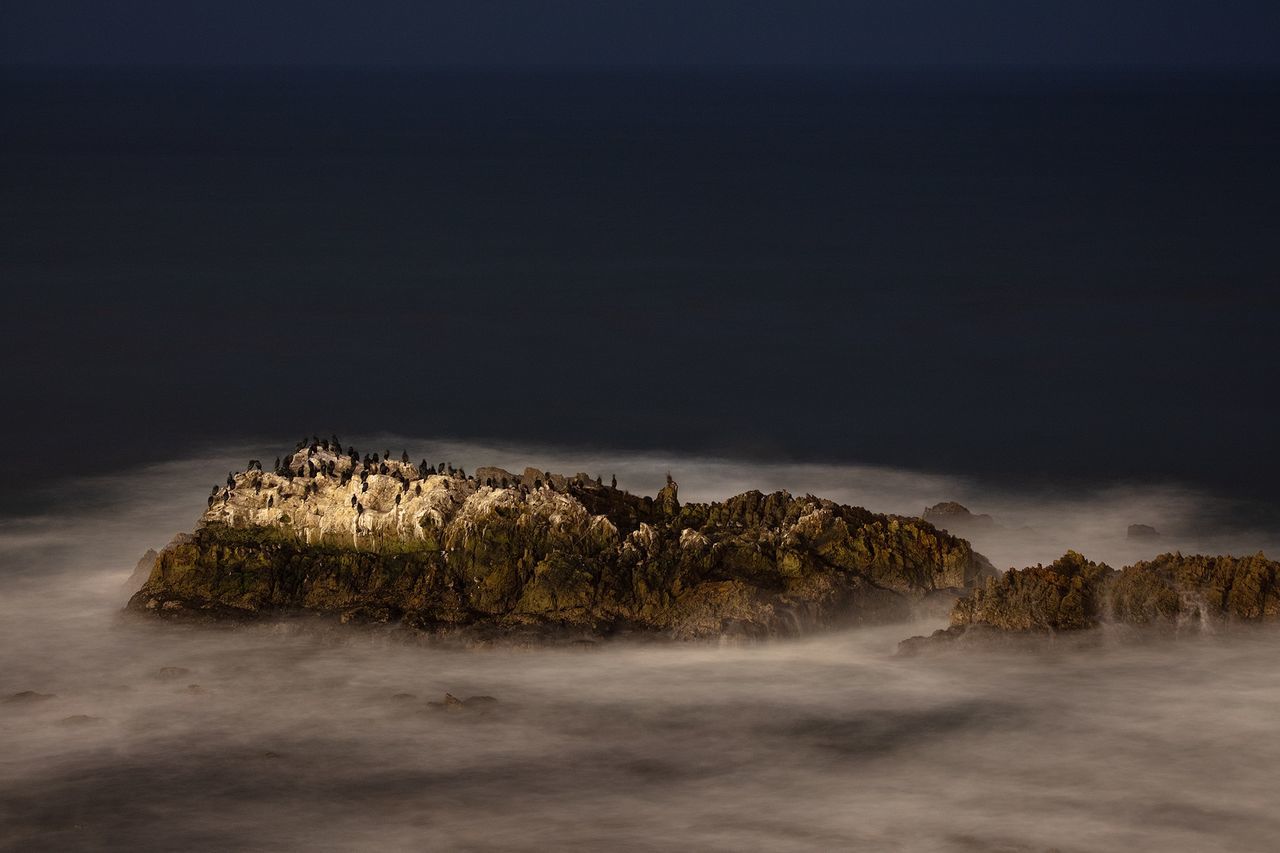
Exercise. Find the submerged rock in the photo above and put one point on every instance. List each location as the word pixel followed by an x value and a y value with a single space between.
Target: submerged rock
pixel 471 703
pixel 27 697
pixel 548 555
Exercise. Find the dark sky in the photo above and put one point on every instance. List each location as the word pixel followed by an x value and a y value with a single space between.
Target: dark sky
pixel 653 32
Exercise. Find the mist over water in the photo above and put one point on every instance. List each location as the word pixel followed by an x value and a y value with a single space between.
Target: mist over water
pixel 293 736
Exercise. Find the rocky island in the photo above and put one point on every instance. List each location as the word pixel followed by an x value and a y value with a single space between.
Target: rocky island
pixel 497 554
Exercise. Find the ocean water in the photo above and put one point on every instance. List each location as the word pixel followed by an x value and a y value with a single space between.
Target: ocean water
pixel 1048 279
pixel 305 736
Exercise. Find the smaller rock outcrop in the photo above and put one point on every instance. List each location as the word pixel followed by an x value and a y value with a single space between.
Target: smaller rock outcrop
pixel 1144 532
pixel 1074 593
pixel 956 518
pixel 141 572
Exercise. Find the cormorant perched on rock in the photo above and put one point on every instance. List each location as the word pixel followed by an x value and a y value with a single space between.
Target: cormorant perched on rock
pixel 231 481
pixel 214 493
pixel 404 456
pixel 599 480
pixel 397 499
pixel 277 463
pixel 504 482
pixel 359 508
pixel 212 498
pixel 353 500
pixel 418 489
pixel 537 482
pixel 364 487
pixel 271 501
pixel 614 481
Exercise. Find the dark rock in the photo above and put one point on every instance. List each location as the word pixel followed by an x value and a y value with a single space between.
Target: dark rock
pixel 471 703
pixel 1142 531
pixel 27 697
pixel 169 672
pixel 450 703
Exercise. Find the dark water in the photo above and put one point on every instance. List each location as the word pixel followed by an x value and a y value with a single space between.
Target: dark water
pixel 1034 279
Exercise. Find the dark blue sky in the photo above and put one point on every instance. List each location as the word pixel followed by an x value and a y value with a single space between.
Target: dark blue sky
pixel 655 32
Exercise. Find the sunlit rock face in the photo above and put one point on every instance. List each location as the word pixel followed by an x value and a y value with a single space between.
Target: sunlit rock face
pixel 497 553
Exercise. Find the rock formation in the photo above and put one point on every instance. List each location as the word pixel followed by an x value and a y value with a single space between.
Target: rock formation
pixel 141 571
pixel 1074 593
pixel 956 518
pixel 1144 532
pixel 499 553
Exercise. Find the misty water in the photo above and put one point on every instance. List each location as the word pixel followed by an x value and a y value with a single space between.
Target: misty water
pixel 313 736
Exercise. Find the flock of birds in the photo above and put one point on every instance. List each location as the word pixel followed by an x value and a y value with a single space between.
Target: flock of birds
pixel 336 466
